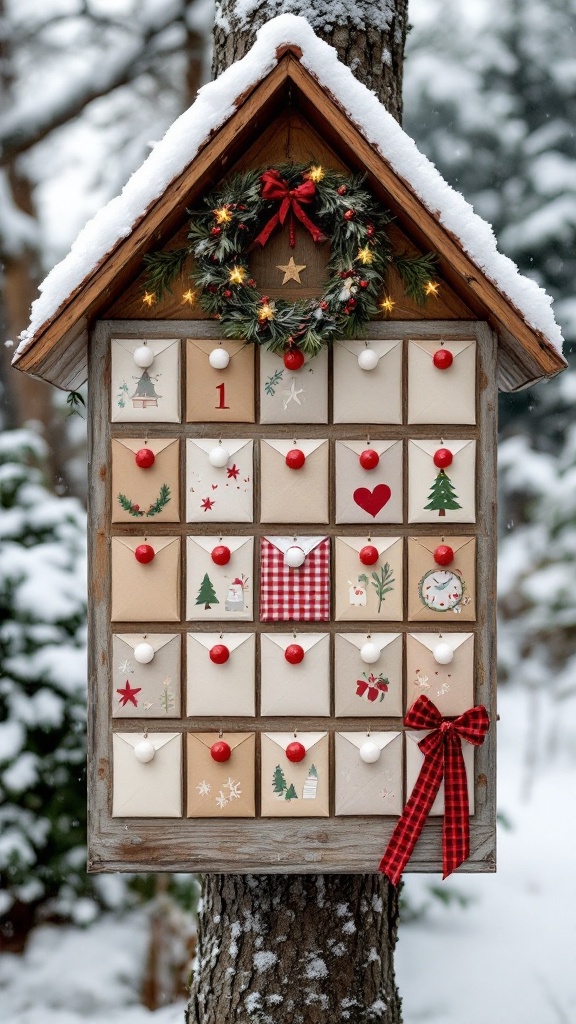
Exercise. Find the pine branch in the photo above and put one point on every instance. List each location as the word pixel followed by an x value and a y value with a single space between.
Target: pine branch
pixel 163 268
pixel 415 272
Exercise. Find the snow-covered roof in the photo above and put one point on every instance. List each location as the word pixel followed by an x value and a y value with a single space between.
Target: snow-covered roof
pixel 216 103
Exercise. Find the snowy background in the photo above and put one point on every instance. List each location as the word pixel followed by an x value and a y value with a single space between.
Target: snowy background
pixel 490 98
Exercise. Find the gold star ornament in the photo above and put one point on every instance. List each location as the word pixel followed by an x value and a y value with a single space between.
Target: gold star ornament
pixel 315 173
pixel 189 297
pixel 431 288
pixel 387 305
pixel 222 215
pixel 237 275
pixel 149 298
pixel 291 271
pixel 365 255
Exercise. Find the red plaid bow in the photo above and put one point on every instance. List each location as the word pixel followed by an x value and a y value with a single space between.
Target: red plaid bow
pixel 442 751
pixel 275 187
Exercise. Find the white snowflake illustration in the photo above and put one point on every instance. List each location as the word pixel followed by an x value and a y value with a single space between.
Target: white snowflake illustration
pixel 221 800
pixel 234 789
pixel 203 788
pixel 422 682
pixel 443 689
pixel 148 704
pixel 292 394
pixel 125 668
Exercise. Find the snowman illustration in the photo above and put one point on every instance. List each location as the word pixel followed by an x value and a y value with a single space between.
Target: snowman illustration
pixel 357 591
pixel 235 595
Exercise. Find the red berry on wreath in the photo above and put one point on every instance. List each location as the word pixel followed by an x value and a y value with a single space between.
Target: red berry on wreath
pixel 370 229
pixel 369 459
pixel 295 751
pixel 243 227
pixel 295 458
pixel 251 282
pixel 134 508
pixel 369 554
pixel 342 190
pixel 442 359
pixel 349 215
pixel 351 303
pixel 219 654
pixel 443 458
pixel 443 554
pixel 293 359
pixel 323 306
pixel 363 283
pixel 294 654
pixel 220 555
pixel 220 751
pixel 144 553
pixel 145 458
pixel 227 294
pixel 215 232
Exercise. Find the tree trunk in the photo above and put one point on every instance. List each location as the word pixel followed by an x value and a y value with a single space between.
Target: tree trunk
pixel 370 39
pixel 296 949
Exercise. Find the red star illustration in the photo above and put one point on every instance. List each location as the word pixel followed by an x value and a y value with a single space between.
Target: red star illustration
pixel 128 694
pixel 206 504
pixel 233 472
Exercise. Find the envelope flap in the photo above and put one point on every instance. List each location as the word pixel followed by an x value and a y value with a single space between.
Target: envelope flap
pixel 157 739
pixel 158 543
pixel 381 347
pixel 156 640
pixel 209 543
pixel 380 447
pixel 381 739
pixel 381 640
pixel 158 345
pixel 381 543
pixel 456 346
pixel 233 739
pixel 206 444
pixel 430 640
pixel 430 447
pixel 230 640
pixel 155 444
pixel 306 543
pixel 306 640
pixel 307 739
pixel 308 446
pixel 431 543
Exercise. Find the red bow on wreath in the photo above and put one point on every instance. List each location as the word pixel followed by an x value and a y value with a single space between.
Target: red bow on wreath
pixel 443 758
pixel 275 187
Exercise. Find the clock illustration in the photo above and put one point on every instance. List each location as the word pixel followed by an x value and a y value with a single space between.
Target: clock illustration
pixel 441 589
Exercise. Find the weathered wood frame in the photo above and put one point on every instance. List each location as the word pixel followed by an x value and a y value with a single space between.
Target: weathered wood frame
pixel 264 845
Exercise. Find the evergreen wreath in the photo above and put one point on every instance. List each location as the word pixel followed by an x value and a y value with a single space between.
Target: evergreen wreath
pixel 244 212
pixel 153 510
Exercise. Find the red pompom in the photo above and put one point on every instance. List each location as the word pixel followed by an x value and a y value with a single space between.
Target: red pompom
pixel 295 458
pixel 369 554
pixel 144 553
pixel 293 359
pixel 219 654
pixel 443 458
pixel 442 359
pixel 443 554
pixel 220 751
pixel 369 459
pixel 295 751
pixel 220 554
pixel 294 653
pixel 145 458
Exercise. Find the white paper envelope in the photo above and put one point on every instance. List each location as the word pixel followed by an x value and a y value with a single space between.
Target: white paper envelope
pixel 220 591
pixel 369 591
pixel 295 595
pixel 442 396
pixel 145 495
pixel 146 691
pixel 415 760
pixel 368 495
pixel 152 789
pixel 294 495
pixel 363 690
pixel 149 395
pixel 293 396
pixel 150 592
pixel 438 591
pixel 363 788
pixel 367 396
pixel 450 687
pixel 219 495
pixel 223 690
pixel 441 488
pixel 221 789
pixel 295 789
pixel 302 689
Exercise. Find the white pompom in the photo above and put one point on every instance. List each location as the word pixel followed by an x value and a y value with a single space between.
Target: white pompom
pixel 219 456
pixel 368 359
pixel 443 654
pixel 369 653
pixel 219 358
pixel 144 751
pixel 370 752
pixel 143 653
pixel 143 357
pixel 295 557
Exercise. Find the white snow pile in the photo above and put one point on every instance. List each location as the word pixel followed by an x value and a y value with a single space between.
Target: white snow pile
pixel 216 104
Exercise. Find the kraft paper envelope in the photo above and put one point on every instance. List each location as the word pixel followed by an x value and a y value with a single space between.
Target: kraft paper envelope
pixel 295 594
pixel 220 591
pixel 219 396
pixel 145 593
pixel 425 486
pixel 364 690
pixel 367 396
pixel 295 789
pixel 293 396
pixel 152 789
pixel 368 495
pixel 449 687
pixel 294 495
pixel 222 690
pixel 369 591
pixel 219 495
pixel 415 760
pixel 146 691
pixel 363 788
pixel 442 396
pixel 150 395
pixel 152 495
pixel 296 690
pixel 441 591
pixel 221 789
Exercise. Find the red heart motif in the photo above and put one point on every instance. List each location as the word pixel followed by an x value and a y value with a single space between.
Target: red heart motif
pixel 372 501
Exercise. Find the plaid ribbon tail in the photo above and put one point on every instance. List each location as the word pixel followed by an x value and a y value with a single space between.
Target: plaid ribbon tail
pixel 410 824
pixel 456 826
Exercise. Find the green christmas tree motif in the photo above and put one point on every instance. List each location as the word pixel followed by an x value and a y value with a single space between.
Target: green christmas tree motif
pixel 145 393
pixel 207 594
pixel 291 793
pixel 278 781
pixel 442 495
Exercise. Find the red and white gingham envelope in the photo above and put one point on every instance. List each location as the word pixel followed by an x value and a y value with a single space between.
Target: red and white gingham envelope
pixel 295 595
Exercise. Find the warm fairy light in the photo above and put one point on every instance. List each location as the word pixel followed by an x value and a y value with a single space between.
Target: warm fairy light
pixel 222 215
pixel 315 173
pixel 265 312
pixel 189 297
pixel 149 298
pixel 365 255
pixel 387 304
pixel 237 275
pixel 431 288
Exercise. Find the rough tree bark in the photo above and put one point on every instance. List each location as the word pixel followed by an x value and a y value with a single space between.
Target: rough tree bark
pixel 290 949
pixel 369 37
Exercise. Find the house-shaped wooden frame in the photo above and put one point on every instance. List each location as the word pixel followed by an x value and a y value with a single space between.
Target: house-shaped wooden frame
pixel 289 99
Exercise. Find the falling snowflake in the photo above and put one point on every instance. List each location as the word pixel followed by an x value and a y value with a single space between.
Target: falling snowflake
pixel 234 788
pixel 203 788
pixel 125 667
pixel 221 800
